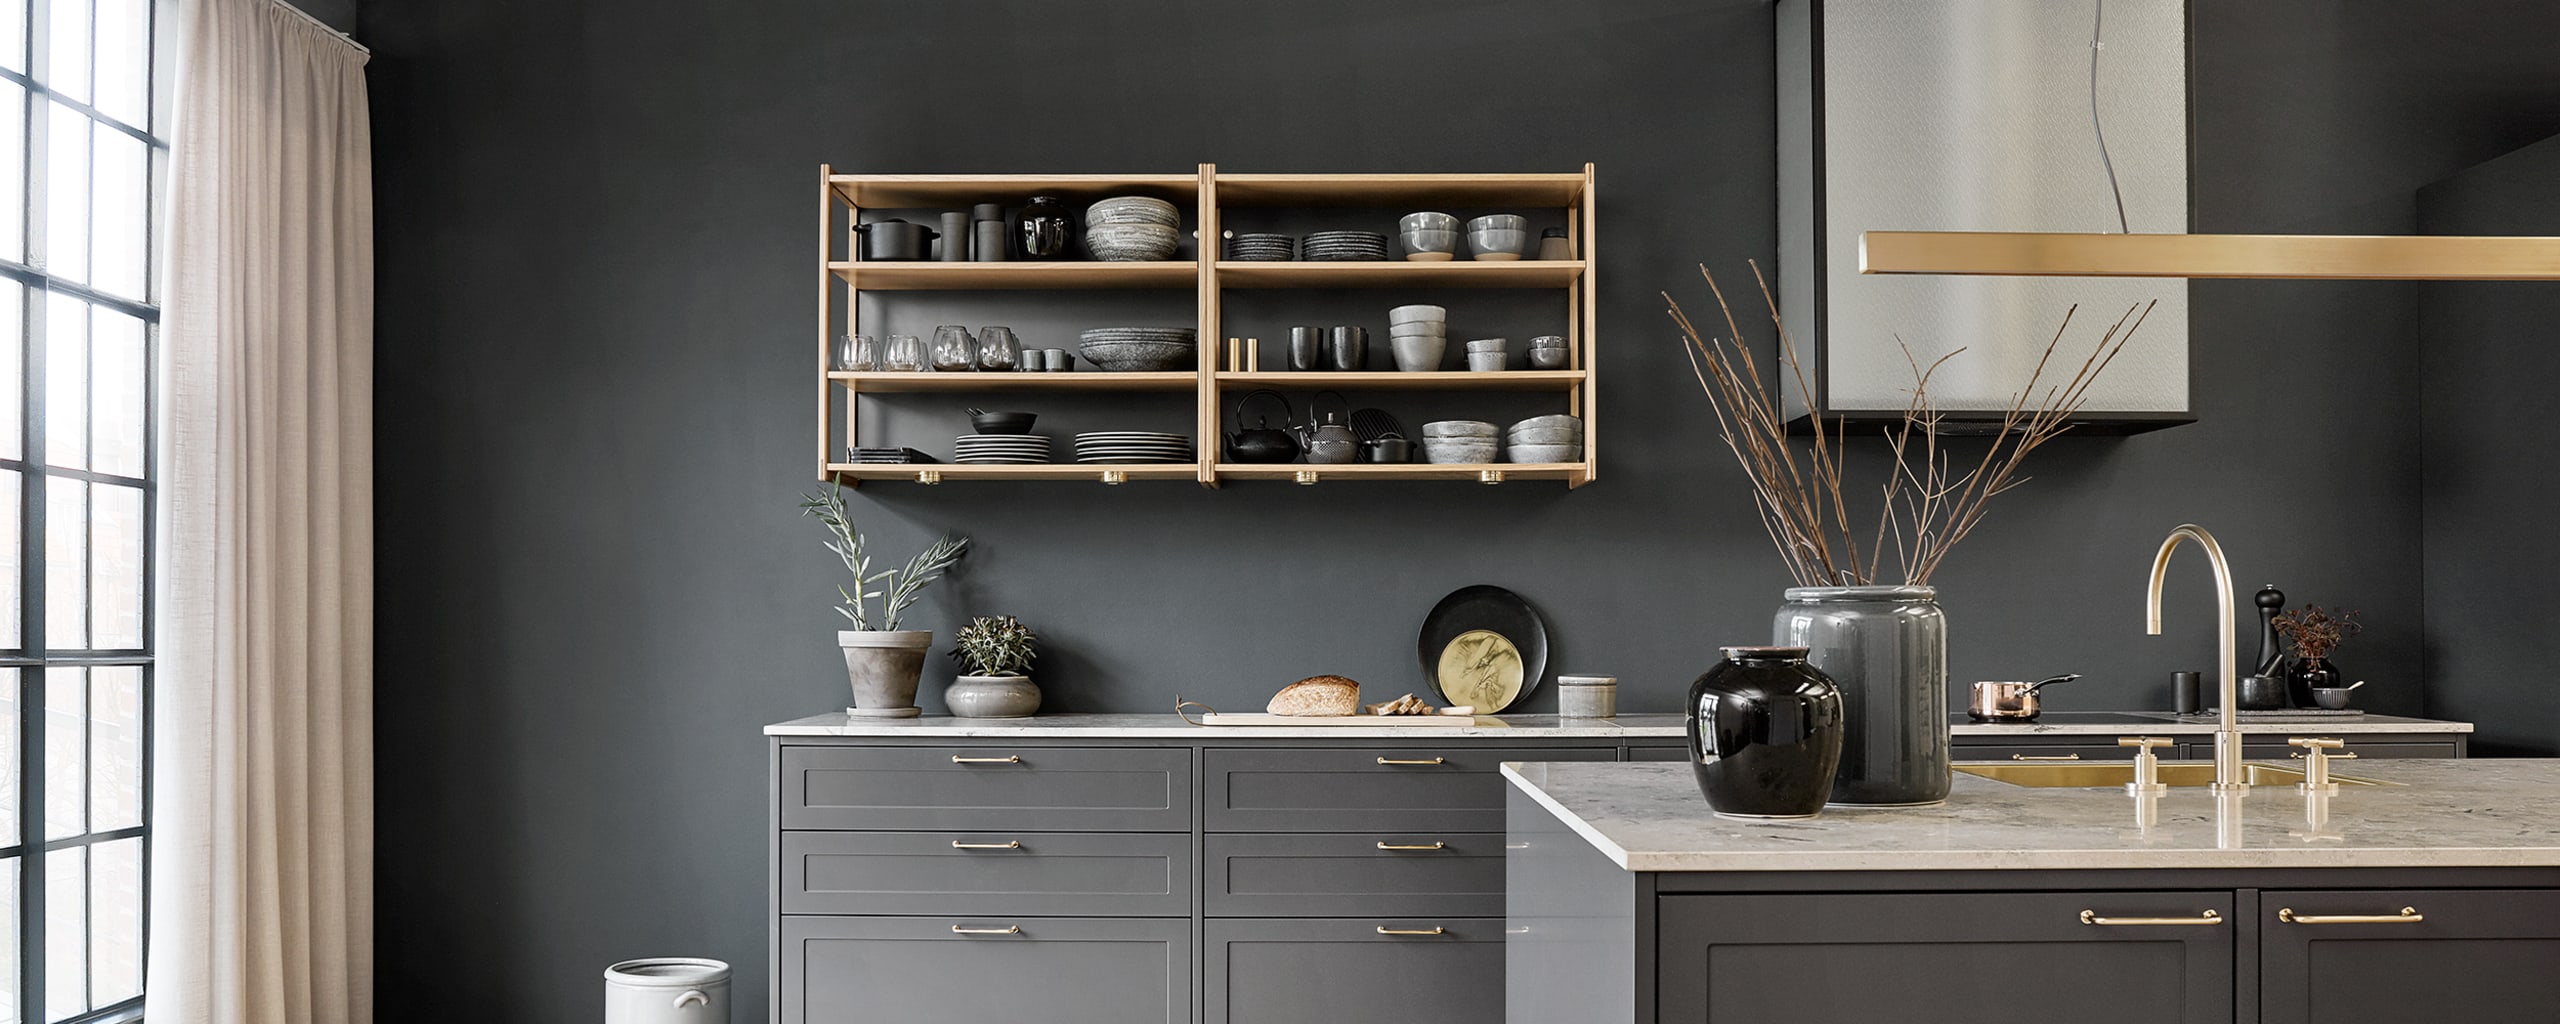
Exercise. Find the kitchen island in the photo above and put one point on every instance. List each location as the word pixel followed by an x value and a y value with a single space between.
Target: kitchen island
pixel 2421 889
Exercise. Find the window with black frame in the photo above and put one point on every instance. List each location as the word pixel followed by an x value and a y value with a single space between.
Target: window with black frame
pixel 81 152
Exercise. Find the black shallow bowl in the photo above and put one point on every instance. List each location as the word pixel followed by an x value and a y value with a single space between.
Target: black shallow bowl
pixel 1003 422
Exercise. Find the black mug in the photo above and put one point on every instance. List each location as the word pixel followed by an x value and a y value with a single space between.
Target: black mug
pixel 1350 348
pixel 1306 348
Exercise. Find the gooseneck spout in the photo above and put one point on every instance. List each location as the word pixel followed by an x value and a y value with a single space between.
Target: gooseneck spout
pixel 2226 734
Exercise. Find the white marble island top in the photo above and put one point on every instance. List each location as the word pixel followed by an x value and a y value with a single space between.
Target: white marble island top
pixel 2444 813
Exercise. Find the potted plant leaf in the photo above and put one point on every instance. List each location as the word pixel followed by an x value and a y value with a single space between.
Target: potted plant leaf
pixel 2314 632
pixel 997 653
pixel 885 663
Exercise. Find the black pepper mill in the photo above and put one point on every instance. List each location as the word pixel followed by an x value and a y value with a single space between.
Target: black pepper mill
pixel 2270 646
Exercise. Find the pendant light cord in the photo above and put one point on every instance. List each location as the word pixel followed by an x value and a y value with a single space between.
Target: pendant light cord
pixel 2097 42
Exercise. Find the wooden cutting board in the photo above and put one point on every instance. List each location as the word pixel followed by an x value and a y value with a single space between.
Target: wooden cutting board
pixel 1344 721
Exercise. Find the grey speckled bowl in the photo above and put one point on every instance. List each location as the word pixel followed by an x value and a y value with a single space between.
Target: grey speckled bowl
pixel 1447 451
pixel 1544 453
pixel 1461 429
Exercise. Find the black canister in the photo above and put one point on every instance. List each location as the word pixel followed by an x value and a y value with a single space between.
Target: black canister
pixel 955 238
pixel 2186 692
pixel 1047 229
pixel 1765 730
pixel 989 233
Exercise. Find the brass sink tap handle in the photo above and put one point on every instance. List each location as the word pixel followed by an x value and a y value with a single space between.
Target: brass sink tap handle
pixel 2146 765
pixel 2315 762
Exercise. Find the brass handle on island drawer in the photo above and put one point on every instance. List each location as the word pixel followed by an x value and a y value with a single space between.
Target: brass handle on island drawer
pixel 1414 760
pixel 2407 915
pixel 2044 757
pixel 1384 845
pixel 2343 755
pixel 1435 930
pixel 1010 844
pixel 1007 759
pixel 2208 917
pixel 1011 929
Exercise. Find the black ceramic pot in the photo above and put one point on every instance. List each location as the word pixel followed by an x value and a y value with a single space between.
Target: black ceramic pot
pixel 2303 675
pixel 1764 734
pixel 1047 229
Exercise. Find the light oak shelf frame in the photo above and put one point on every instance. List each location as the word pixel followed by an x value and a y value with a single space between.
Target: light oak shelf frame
pixel 843 198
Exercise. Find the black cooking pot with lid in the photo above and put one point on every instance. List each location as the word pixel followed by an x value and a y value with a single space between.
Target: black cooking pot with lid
pixel 895 239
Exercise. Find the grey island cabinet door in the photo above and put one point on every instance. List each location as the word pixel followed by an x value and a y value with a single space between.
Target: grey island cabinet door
pixel 987 788
pixel 1349 971
pixel 2397 956
pixel 1450 788
pixel 911 970
pixel 1958 958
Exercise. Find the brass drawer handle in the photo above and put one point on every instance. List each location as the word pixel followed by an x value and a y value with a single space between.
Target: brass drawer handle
pixel 1011 929
pixel 2208 917
pixel 2044 757
pixel 2343 755
pixel 2407 915
pixel 1384 845
pixel 1413 761
pixel 1435 930
pixel 1010 844
pixel 1007 759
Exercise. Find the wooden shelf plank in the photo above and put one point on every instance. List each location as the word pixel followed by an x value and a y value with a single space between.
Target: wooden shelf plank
pixel 1389 380
pixel 1419 191
pixel 912 191
pixel 1043 471
pixel 882 382
pixel 1399 274
pixel 1571 472
pixel 935 275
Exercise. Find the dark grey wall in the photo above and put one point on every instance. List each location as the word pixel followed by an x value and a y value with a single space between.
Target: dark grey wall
pixel 593 408
pixel 2490 360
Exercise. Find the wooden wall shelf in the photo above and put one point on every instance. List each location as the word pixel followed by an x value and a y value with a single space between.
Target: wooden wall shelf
pixel 844 197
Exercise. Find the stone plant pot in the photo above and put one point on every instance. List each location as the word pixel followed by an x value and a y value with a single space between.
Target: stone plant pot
pixel 885 666
pixel 992 697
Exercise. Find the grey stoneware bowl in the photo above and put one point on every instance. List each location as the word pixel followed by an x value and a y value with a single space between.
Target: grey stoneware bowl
pixel 1419 354
pixel 1461 428
pixel 1430 331
pixel 1488 362
pixel 1489 345
pixel 1529 454
pixel 1428 221
pixel 2333 698
pixel 1549 358
pixel 1557 429
pixel 1429 241
pixel 1417 314
pixel 1137 356
pixel 1447 451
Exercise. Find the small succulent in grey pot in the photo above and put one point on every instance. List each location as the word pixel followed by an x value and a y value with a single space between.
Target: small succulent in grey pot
pixel 997 653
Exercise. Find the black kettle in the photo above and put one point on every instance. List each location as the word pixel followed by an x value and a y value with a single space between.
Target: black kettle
pixel 1262 442
pixel 895 239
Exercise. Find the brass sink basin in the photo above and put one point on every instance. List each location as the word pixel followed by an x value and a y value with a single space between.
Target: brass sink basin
pixel 2115 774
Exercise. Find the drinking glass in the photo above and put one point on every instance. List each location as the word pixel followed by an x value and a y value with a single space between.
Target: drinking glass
pixel 905 353
pixel 997 349
pixel 954 349
pixel 857 352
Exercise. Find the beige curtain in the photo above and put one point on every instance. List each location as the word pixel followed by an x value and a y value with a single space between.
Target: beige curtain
pixel 262 863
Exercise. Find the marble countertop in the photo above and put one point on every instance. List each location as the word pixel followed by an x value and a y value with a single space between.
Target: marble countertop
pixel 2443 813
pixel 1653 726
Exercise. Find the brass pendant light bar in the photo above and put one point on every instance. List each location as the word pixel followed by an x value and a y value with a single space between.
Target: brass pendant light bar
pixel 2291 257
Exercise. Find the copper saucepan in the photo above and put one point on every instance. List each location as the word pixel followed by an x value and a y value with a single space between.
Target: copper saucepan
pixel 2010 701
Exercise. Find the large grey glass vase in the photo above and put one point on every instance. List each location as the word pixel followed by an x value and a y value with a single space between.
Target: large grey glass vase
pixel 1887 648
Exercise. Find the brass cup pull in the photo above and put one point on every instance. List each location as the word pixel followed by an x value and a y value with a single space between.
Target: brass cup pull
pixel 1434 930
pixel 2208 917
pixel 1009 844
pixel 1413 760
pixel 2044 757
pixel 1011 929
pixel 2407 915
pixel 1384 845
pixel 1007 759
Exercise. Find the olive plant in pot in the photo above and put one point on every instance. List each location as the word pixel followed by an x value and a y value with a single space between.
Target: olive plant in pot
pixel 885 663
pixel 997 653
pixel 1882 639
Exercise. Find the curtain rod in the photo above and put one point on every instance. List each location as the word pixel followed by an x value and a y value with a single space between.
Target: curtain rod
pixel 323 26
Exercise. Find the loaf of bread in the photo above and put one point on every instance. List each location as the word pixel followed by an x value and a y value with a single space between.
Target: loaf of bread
pixel 1316 697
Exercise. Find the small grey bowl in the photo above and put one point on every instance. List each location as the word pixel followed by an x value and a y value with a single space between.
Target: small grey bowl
pixel 1427 221
pixel 1489 345
pixel 1429 241
pixel 1449 451
pixel 1549 358
pixel 2333 698
pixel 1501 221
pixel 1496 243
pixel 1488 362
pixel 1418 314
pixel 1526 454
pixel 1461 429
pixel 1545 435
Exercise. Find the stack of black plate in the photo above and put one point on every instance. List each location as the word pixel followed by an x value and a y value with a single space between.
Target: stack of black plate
pixel 1132 446
pixel 1340 246
pixel 886 456
pixel 1000 449
pixel 1260 248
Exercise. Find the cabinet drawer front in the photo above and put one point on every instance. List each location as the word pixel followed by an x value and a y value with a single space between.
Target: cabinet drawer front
pixel 1013 788
pixel 1310 971
pixel 2475 955
pixel 1742 959
pixel 1044 970
pixel 1452 788
pixel 1142 874
pixel 2046 752
pixel 1658 753
pixel 1316 875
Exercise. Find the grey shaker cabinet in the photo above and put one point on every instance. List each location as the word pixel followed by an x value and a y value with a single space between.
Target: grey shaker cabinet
pixel 1346 971
pixel 1044 970
pixel 1053 874
pixel 1944 958
pixel 2476 955
pixel 1412 787
pixel 1333 875
pixel 1012 787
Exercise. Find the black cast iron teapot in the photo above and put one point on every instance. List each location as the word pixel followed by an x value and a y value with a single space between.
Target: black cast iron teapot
pixel 1262 442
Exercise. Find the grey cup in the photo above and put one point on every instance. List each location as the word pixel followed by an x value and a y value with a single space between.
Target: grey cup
pixel 1350 349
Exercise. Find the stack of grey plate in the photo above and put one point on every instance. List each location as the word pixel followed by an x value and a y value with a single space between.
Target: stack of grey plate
pixel 1000 449
pixel 886 456
pixel 1132 228
pixel 1345 246
pixel 1132 446
pixel 1262 248
pixel 1140 349
pixel 1546 439
pixel 1460 442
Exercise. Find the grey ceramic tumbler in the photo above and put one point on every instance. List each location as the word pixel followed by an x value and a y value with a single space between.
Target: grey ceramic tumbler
pixel 1350 349
pixel 1306 348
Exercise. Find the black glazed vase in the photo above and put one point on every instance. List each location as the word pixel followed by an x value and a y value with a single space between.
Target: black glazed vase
pixel 1765 730
pixel 2303 675
pixel 1047 229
